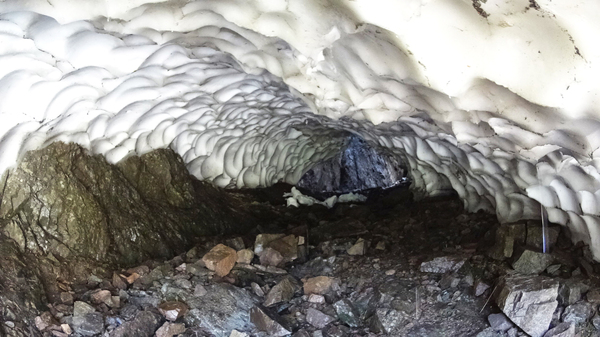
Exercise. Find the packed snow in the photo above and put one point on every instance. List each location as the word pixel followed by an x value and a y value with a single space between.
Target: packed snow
pixel 499 103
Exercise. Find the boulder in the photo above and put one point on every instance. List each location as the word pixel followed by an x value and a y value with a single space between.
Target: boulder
pixel 561 330
pixel 528 301
pixel 319 285
pixel 530 262
pixel 220 259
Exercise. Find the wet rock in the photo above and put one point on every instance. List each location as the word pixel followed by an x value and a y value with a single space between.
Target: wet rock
pixel 220 259
pixel 317 318
pixel 170 329
pixel 499 322
pixel 144 323
pixel 270 257
pixel 268 322
pixel 358 248
pixel 320 285
pixel 245 256
pixel 577 313
pixel 561 330
pixel 530 262
pixel 386 320
pixel 173 310
pixel 281 292
pixel 528 301
pixel 444 264
pixel 347 313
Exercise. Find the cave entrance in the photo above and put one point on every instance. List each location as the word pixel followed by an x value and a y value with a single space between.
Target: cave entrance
pixel 357 167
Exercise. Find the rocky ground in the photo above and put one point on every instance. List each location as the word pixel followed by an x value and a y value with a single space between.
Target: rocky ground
pixel 388 267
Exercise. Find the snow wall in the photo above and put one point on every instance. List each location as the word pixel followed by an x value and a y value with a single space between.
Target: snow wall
pixel 497 100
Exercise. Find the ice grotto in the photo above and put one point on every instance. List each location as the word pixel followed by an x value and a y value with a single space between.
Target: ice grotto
pixel 496 101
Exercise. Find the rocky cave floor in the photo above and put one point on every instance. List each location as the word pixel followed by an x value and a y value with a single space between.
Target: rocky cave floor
pixel 387 267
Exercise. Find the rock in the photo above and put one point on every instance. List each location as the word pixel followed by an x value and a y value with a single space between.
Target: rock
pixel 257 289
pixel 199 290
pixel 262 240
pixel 236 333
pixel 314 298
pixel 444 264
pixel 530 262
pixel 317 318
pixel 499 322
pixel 101 296
pixel 596 322
pixel 223 308
pixel 89 324
pixel 534 236
pixel 245 256
pixel 287 246
pixel 347 313
pixel 561 330
pixel 366 302
pixel 336 331
pixel 270 257
pixel 132 278
pixel 66 328
pixel 144 323
pixel 118 282
pixel 391 272
pixel 281 292
pixel 358 248
pixel 319 285
pixel 386 320
pixel 301 333
pixel 577 313
pixel 172 310
pixel 449 281
pixel 507 235
pixel 66 298
pixel 170 329
pixel 528 301
pixel 570 291
pixel 236 243
pixel 268 322
pixel 489 332
pixel 220 259
pixel 593 296
pixel 82 308
pixel 480 287
pixel 380 245
pixel 44 320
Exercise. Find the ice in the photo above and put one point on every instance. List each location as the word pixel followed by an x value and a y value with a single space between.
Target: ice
pixel 502 110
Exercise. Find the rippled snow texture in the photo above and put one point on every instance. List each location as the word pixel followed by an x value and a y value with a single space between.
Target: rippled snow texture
pixel 444 89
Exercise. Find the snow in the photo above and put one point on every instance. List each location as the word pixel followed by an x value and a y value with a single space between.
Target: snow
pixel 502 109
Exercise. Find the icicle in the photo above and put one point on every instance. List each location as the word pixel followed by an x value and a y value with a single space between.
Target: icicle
pixel 544 228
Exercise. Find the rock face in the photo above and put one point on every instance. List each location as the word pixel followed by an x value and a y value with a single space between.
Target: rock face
pixel 66 214
pixel 358 166
pixel 529 302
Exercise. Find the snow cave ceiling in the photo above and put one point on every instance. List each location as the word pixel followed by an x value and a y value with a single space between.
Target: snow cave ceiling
pixel 497 100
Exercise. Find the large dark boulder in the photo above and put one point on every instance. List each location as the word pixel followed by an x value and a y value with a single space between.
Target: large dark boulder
pixel 358 166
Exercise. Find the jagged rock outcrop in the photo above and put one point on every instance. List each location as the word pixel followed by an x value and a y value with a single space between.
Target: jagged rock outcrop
pixel 358 166
pixel 65 214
